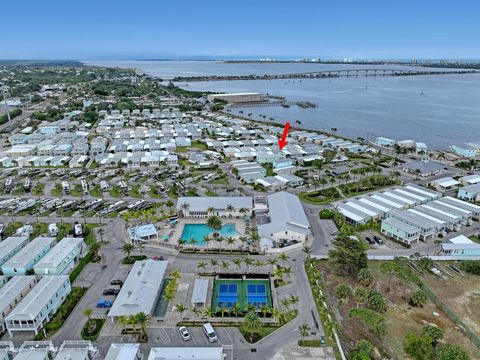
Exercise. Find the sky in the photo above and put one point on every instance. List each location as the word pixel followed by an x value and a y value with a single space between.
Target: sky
pixel 214 29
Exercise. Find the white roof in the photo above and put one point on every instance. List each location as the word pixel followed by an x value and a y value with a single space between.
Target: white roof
pixel 29 252
pixel 37 298
pixel 140 290
pixel 286 213
pixel 12 288
pixel 122 352
pixel 200 290
pixel 471 179
pixel 60 251
pixel 217 202
pixel 446 182
pixel 9 244
pixel 32 354
pixel 186 353
pixel 72 354
pixel 460 239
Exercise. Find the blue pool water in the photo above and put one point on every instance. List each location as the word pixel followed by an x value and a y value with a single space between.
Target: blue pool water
pixel 198 231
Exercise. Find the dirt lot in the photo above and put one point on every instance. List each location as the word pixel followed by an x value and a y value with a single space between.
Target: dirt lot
pixel 462 295
pixel 401 317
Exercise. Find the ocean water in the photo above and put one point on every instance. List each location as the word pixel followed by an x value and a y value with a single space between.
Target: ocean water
pixel 440 110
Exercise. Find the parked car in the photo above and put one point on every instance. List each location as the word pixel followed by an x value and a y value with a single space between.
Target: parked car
pixel 370 241
pixel 116 282
pixel 104 304
pixel 185 335
pixel 210 332
pixel 322 341
pixel 378 240
pixel 109 292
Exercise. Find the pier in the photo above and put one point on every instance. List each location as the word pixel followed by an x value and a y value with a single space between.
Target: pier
pixel 325 74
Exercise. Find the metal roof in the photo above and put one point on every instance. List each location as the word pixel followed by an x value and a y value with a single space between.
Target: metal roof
pixel 29 252
pixel 59 252
pixel 186 353
pixel 200 291
pixel 217 202
pixel 122 352
pixel 12 288
pixel 140 290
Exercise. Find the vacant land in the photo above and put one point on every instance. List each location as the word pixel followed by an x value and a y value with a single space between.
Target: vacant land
pixel 401 318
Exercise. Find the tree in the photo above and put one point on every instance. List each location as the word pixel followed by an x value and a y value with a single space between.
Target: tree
pixel 419 298
pixel 202 265
pixel 363 350
pixel 196 313
pixel 388 269
pixel 365 277
pixel 376 302
pixel 213 262
pixel 238 262
pixel 224 265
pixel 426 263
pixel 252 323
pixel 451 352
pixel 128 249
pixel 230 241
pixel 94 248
pixel 343 292
pixel 307 250
pixel 304 331
pixel 143 320
pixel 284 258
pixel 180 308
pixel 278 315
pixel 215 224
pixel 88 313
pixel 418 347
pixel 434 332
pixel 348 256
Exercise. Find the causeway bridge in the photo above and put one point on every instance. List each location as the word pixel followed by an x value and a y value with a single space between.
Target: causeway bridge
pixel 327 74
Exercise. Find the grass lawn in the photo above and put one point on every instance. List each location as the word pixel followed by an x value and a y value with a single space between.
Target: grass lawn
pixel 39 189
pixel 96 191
pixel 77 190
pixel 223 180
pixel 115 191
pixel 172 193
pixel 57 190
pixel 135 191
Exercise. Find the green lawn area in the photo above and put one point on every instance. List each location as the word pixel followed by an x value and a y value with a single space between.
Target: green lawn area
pixel 211 193
pixel 223 180
pixel 77 190
pixel 135 191
pixel 39 189
pixel 172 193
pixel 115 191
pixel 96 191
pixel 57 190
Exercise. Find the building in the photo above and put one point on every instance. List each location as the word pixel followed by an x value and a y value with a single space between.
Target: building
pixel 186 353
pixel 12 293
pixel 10 246
pixel 77 350
pixel 445 184
pixel 470 180
pixel 26 258
pixel 285 223
pixel 198 207
pixel 400 231
pixel 141 289
pixel 200 292
pixel 238 97
pixel 61 259
pixel 460 246
pixel 124 352
pixel 469 150
pixel 470 193
pixel 423 168
pixel 37 307
pixel 385 142
pixel 143 233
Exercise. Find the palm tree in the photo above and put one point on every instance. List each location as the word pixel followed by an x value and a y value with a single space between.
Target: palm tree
pixel 224 309
pixel 272 261
pixel 124 321
pixel 196 313
pixel 100 232
pixel 88 313
pixel 180 308
pixel 185 206
pixel 243 240
pixel 208 313
pixel 181 242
pixel 265 309
pixel 284 257
pixel 252 323
pixel 94 248
pixel 193 242
pixel 143 320
pixel 213 262
pixel 230 241
pixel 215 224
pixel 236 309
pixel 206 240
pixel 230 208
pixel 248 262
pixel 237 262
pixel 202 265
pixel 224 265
pixel 307 250
pixel 128 249
pixel 278 315
pixel 141 246
pixel 304 331
pixel 286 303
pixel 287 271
pixel 294 299
pixel 211 210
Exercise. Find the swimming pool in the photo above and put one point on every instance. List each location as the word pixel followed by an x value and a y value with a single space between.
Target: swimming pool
pixel 198 231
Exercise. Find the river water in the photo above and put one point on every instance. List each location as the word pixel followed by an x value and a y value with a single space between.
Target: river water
pixel 439 110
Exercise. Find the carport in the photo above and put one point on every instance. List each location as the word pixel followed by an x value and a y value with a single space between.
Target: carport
pixel 200 290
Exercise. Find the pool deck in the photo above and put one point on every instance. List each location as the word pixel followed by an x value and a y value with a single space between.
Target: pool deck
pixel 178 230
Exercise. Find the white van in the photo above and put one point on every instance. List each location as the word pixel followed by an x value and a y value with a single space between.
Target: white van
pixel 210 332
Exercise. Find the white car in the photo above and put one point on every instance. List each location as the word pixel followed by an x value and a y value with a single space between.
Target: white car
pixel 184 333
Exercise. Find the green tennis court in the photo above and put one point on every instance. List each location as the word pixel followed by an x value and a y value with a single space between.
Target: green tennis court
pixel 250 292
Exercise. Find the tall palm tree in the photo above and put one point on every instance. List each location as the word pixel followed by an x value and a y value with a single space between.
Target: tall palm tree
pixel 193 242
pixel 211 210
pixel 180 308
pixel 265 309
pixel 128 249
pixel 243 240
pixel 304 331
pixel 278 315
pixel 185 206
pixel 230 241
pixel 237 262
pixel 196 313
pixel 206 240
pixel 286 303
pixel 287 271
pixel 202 265
pixel 143 320
pixel 224 265
pixel 208 312
pixel 307 250
pixel 230 208
pixel 283 257
pixel 294 299
pixel 248 262
pixel 181 242
pixel 252 323
pixel 88 313
pixel 215 224
pixel 213 262
pixel 236 309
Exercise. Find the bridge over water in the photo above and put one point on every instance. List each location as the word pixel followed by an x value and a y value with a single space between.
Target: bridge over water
pixel 327 74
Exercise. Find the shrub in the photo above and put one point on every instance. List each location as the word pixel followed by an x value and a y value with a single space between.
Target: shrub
pixel 343 291
pixel 362 350
pixel 371 319
pixel 365 277
pixel 419 298
pixel 471 266
pixel 434 332
pixel 418 347
pixel 451 352
pixel 376 302
pixel 326 214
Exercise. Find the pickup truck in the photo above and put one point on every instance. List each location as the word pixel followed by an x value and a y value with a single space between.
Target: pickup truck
pixel 104 304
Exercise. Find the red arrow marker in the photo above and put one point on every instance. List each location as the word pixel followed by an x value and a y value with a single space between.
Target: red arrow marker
pixel 283 141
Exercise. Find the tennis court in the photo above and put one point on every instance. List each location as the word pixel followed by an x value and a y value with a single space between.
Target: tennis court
pixel 250 292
